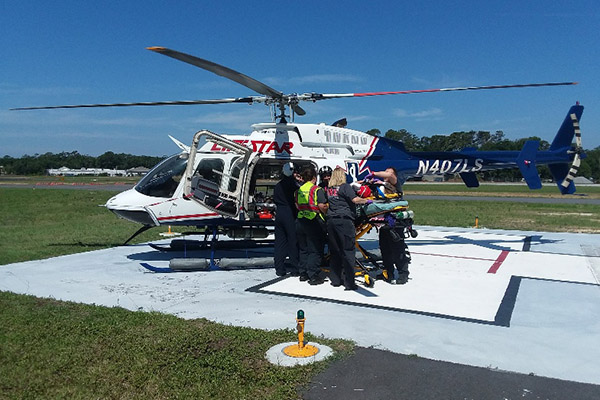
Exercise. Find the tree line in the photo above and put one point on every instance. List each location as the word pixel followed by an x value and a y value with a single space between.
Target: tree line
pixel 486 141
pixel 39 163
pixel 456 141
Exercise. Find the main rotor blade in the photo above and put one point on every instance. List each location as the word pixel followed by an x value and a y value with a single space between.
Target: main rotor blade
pixel 220 70
pixel 339 95
pixel 147 103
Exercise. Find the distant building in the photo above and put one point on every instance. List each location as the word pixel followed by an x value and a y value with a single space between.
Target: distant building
pixel 433 178
pixel 64 171
pixel 137 171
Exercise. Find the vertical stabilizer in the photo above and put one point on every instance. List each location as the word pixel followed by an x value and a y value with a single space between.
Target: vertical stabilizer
pixel 564 136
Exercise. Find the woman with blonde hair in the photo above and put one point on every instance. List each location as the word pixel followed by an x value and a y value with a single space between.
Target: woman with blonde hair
pixel 341 232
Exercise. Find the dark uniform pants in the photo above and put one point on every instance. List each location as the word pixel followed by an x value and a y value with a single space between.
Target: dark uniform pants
pixel 285 241
pixel 394 252
pixel 342 250
pixel 309 234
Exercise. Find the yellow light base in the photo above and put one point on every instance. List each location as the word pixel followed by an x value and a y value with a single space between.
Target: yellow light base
pixel 296 351
pixel 169 233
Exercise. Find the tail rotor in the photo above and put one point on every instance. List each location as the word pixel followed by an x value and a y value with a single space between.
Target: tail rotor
pixel 578 150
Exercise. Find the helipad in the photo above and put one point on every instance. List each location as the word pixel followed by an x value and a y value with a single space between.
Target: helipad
pixel 520 301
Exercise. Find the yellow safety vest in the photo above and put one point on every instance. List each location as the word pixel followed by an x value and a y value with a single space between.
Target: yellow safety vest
pixel 306 201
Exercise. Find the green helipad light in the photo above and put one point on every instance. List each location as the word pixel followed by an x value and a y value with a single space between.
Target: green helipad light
pixel 300 314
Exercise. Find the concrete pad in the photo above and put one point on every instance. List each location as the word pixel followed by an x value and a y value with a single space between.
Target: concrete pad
pixel 276 356
pixel 517 301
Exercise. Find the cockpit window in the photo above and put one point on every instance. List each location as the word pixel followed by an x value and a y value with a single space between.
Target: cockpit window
pixel 163 179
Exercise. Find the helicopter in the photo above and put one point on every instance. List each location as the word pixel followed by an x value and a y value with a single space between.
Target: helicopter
pixel 223 183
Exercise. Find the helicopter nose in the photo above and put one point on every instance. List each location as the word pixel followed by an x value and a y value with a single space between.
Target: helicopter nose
pixel 129 205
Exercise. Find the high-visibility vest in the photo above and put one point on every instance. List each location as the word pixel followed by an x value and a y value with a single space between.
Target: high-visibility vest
pixel 306 201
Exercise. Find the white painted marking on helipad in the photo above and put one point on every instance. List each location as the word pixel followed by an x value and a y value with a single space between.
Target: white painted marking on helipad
pixel 448 287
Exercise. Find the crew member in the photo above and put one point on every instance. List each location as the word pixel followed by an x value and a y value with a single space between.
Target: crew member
pixel 390 179
pixel 312 206
pixel 394 252
pixel 324 175
pixel 286 245
pixel 340 229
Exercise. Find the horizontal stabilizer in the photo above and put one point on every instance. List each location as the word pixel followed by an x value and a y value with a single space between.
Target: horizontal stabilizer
pixel 526 163
pixel 470 179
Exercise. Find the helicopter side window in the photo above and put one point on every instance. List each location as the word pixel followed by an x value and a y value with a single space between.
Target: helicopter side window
pixel 206 184
pixel 162 180
pixel 235 170
pixel 211 169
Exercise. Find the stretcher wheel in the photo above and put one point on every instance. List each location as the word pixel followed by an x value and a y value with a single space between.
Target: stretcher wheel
pixel 369 282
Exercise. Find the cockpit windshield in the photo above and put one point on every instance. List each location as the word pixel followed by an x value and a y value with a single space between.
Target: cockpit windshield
pixel 163 179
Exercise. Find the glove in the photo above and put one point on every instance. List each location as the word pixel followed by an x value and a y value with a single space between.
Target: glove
pixel 369 202
pixel 369 176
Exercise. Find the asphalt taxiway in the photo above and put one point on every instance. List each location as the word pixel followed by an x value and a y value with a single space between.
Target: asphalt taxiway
pixel 515 301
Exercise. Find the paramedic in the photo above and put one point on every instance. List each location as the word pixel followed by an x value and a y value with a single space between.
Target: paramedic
pixel 394 252
pixel 324 175
pixel 390 178
pixel 285 222
pixel 312 206
pixel 340 228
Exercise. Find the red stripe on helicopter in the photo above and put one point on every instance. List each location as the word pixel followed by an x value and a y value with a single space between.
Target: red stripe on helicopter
pixel 364 159
pixel 188 216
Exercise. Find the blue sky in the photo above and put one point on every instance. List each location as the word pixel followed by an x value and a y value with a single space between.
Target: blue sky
pixel 78 52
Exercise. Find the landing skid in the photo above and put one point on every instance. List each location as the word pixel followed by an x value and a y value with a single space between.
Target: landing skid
pixel 210 262
pixel 205 264
pixel 188 245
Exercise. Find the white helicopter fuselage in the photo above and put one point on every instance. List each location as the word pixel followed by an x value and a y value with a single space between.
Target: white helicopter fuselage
pixel 232 174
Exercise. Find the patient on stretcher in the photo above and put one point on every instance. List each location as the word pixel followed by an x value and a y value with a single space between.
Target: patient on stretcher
pixel 382 201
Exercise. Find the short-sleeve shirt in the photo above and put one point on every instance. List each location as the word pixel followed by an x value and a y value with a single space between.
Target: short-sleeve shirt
pixel 389 188
pixel 321 197
pixel 340 202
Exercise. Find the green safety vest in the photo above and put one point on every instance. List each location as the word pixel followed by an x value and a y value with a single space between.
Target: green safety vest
pixel 306 201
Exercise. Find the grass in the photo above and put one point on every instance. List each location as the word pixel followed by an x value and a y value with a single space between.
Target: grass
pixel 508 215
pixel 42 223
pixel 52 349
pixel 498 190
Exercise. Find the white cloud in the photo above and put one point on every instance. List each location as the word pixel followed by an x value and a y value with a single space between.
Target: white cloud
pixel 431 113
